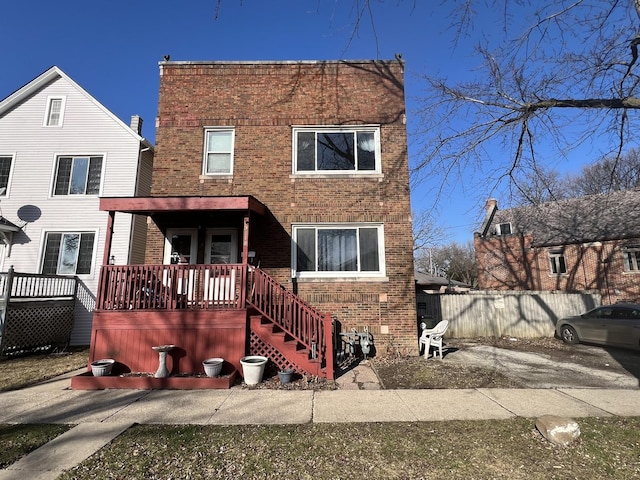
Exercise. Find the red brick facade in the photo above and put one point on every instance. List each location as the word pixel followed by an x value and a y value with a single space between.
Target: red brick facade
pixel 263 102
pixel 510 262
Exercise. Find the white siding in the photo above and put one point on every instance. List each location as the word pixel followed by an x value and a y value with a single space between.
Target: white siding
pixel 87 129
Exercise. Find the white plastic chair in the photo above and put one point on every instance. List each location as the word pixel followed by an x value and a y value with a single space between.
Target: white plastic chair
pixel 433 337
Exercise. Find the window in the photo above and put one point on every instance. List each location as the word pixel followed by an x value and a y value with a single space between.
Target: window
pixel 503 229
pixel 218 152
pixel 557 262
pixel 631 256
pixel 68 253
pixel 5 170
pixel 78 176
pixel 55 111
pixel 336 150
pixel 338 250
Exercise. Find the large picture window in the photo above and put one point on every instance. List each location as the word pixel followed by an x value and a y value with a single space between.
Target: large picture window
pixel 218 151
pixel 68 253
pixel 338 250
pixel 79 175
pixel 336 150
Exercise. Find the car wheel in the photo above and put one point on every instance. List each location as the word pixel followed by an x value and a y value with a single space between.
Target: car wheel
pixel 569 335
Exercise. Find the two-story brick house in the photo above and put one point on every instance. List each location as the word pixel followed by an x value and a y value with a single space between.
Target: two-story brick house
pixel 590 243
pixel 299 168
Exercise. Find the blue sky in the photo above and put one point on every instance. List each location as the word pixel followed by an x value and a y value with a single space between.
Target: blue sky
pixel 112 49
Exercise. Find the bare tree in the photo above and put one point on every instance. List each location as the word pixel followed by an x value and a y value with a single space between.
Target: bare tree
pixel 607 175
pixel 567 78
pixel 426 234
pixel 457 261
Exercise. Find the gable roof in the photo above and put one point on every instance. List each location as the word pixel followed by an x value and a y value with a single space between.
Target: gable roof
pixel 612 216
pixel 49 76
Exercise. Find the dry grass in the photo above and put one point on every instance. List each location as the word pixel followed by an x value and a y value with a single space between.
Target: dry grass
pixel 19 372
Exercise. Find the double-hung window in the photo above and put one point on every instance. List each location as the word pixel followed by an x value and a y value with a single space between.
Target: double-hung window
pixel 557 262
pixel 341 250
pixel 68 253
pixel 218 151
pixel 55 112
pixel 631 256
pixel 336 150
pixel 5 171
pixel 79 175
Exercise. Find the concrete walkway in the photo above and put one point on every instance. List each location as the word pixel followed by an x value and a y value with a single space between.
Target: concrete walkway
pixel 102 415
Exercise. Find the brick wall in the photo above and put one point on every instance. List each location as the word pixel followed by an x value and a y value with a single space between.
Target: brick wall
pixel 510 263
pixel 262 101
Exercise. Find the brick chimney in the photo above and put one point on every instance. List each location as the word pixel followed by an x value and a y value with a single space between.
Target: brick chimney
pixel 491 204
pixel 136 124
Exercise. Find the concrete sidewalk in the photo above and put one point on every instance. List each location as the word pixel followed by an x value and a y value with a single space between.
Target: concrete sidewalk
pixel 101 415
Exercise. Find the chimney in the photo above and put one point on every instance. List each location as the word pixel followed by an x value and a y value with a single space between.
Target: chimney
pixel 136 124
pixel 491 204
pixel 491 207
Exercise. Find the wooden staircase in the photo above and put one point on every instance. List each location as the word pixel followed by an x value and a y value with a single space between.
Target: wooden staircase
pixel 287 330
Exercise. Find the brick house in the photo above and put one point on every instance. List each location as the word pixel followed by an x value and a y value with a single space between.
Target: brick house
pixel 297 171
pixel 590 244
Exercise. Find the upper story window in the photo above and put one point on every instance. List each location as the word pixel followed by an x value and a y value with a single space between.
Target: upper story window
pixel 351 250
pixel 218 151
pixel 557 262
pixel 5 171
pixel 336 150
pixel 55 111
pixel 68 253
pixel 631 256
pixel 78 176
pixel 504 229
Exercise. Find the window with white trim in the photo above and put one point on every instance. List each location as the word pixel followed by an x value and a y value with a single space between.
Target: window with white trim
pixel 341 250
pixel 218 151
pixel 557 262
pixel 55 111
pixel 5 170
pixel 336 150
pixel 504 229
pixel 80 175
pixel 68 253
pixel 631 256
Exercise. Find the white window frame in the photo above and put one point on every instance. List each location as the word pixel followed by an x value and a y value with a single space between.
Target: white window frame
pixel 45 236
pixel 499 228
pixel 47 115
pixel 12 158
pixel 630 258
pixel 555 254
pixel 375 129
pixel 56 165
pixel 381 273
pixel 205 152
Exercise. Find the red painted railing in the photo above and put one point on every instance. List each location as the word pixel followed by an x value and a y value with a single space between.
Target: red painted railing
pixel 293 315
pixel 171 287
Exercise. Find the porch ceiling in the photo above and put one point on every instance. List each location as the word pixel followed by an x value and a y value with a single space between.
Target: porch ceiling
pixel 151 205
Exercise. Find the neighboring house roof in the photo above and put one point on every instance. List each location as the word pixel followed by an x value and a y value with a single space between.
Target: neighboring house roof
pixel 612 216
pixel 47 77
pixel 426 279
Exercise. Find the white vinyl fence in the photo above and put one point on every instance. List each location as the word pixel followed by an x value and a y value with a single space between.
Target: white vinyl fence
pixel 496 313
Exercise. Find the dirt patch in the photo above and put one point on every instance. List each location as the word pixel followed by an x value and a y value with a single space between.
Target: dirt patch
pixel 505 362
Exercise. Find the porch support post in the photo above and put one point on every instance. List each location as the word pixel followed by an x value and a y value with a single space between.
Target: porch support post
pixel 327 322
pixel 107 241
pixel 245 240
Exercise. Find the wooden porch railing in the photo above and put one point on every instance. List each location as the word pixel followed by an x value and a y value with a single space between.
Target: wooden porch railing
pixel 171 287
pixel 294 316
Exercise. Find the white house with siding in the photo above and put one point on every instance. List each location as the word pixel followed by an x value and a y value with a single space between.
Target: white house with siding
pixel 60 150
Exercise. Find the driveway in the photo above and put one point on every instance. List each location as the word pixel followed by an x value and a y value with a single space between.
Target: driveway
pixel 552 365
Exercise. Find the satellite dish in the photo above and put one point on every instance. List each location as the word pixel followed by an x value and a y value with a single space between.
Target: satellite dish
pixel 29 213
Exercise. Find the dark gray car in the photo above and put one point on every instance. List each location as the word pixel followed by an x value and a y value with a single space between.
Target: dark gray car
pixel 616 325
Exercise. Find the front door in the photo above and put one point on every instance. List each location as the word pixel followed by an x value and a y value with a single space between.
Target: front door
pixel 181 245
pixel 221 246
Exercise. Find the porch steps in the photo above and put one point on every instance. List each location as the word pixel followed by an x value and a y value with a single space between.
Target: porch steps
pixel 293 353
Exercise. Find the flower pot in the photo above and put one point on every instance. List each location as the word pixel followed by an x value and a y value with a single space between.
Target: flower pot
pixel 253 368
pixel 285 375
pixel 102 368
pixel 213 366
